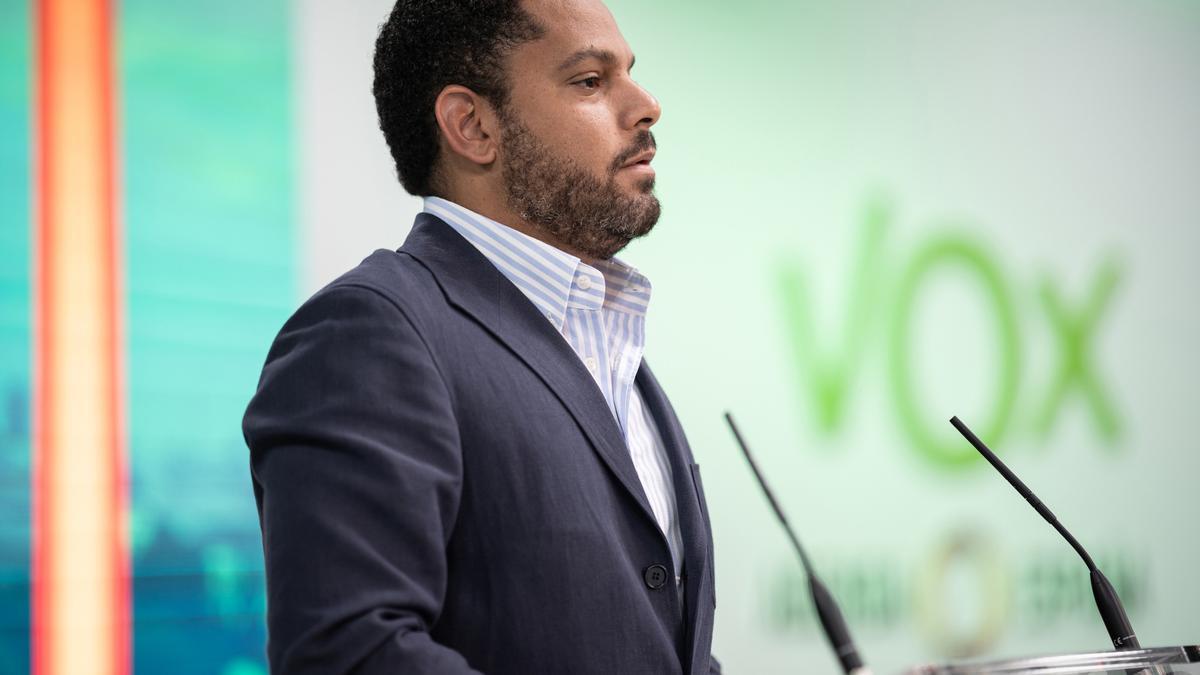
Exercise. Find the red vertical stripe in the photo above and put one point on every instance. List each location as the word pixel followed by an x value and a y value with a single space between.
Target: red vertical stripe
pixel 75 146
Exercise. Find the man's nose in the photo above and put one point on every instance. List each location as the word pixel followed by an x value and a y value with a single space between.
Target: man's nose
pixel 644 109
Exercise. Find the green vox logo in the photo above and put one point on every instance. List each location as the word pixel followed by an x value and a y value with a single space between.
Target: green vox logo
pixel 881 304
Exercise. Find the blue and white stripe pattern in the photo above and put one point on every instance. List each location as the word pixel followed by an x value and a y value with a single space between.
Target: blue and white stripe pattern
pixel 601 312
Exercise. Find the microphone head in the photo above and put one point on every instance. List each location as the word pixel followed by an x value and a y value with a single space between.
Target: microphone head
pixel 835 626
pixel 1113 614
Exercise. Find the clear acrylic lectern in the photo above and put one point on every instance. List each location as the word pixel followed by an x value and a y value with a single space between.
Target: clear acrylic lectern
pixel 1157 661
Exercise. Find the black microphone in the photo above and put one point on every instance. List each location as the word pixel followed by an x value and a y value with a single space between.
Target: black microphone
pixel 827 608
pixel 1119 629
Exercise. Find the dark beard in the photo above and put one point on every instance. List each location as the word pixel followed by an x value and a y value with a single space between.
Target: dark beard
pixel 553 193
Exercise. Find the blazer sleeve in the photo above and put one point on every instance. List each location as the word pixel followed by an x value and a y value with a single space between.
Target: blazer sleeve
pixel 357 468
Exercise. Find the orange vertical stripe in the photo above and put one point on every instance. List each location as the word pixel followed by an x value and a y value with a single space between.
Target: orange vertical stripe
pixel 80 553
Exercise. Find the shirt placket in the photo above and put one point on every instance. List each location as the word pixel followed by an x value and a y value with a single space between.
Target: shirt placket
pixel 626 355
pixel 586 313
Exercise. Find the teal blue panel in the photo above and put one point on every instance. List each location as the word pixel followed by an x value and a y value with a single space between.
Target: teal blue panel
pixel 210 239
pixel 15 191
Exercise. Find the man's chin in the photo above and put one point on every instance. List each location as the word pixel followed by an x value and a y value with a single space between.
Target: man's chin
pixel 641 186
pixel 647 215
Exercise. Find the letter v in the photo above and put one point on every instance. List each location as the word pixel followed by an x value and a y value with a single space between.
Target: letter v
pixel 825 373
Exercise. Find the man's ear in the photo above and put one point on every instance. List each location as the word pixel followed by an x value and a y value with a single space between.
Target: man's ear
pixel 467 123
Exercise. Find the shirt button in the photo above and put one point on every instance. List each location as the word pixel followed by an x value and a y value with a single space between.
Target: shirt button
pixel 636 289
pixel 655 577
pixel 590 363
pixel 584 283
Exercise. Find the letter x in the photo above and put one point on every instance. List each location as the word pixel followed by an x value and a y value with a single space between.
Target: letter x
pixel 1075 331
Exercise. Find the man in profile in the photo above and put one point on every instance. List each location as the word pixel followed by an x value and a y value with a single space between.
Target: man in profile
pixel 462 463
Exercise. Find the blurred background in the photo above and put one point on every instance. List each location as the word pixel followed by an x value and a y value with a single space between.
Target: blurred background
pixel 876 216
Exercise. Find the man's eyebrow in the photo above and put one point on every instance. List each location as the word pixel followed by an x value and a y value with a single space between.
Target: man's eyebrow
pixel 603 55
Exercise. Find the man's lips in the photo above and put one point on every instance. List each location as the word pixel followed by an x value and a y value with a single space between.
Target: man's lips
pixel 640 163
pixel 640 159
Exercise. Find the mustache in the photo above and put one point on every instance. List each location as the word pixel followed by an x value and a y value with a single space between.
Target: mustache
pixel 643 142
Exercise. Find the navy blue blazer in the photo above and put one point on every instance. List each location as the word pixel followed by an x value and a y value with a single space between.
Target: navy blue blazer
pixel 442 488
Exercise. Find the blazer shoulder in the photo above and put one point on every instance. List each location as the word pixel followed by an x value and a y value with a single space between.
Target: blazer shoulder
pixel 394 276
pixel 385 288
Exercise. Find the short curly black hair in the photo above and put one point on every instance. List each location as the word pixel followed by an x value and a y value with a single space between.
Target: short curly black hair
pixel 426 45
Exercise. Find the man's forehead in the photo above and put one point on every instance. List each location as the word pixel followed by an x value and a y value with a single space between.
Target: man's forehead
pixel 573 27
pixel 565 12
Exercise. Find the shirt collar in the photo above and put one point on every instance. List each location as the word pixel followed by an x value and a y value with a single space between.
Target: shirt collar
pixel 552 279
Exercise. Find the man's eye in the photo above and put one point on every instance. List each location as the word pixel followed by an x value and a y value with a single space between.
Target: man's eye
pixel 589 83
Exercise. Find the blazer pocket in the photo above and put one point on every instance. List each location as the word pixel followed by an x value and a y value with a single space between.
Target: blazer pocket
pixel 698 485
pixel 708 540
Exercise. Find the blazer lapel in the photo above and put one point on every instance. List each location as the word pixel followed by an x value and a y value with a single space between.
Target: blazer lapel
pixel 687 497
pixel 475 286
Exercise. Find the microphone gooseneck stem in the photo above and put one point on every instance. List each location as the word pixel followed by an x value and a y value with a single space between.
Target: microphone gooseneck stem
pixel 762 482
pixel 1120 631
pixel 830 616
pixel 1023 489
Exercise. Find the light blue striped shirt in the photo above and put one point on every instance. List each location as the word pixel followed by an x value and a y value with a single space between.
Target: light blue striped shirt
pixel 601 312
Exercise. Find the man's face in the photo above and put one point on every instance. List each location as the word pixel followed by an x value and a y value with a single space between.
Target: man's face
pixel 576 143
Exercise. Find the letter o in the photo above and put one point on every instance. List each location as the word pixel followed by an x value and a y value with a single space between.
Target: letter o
pixel 960 252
